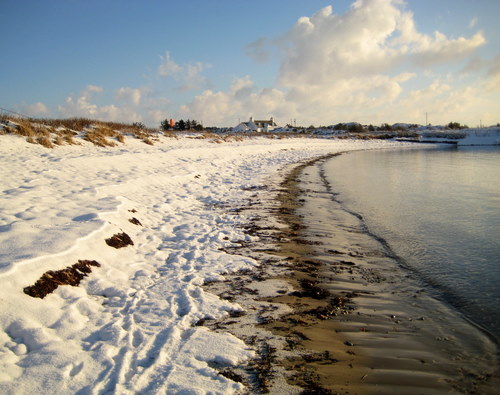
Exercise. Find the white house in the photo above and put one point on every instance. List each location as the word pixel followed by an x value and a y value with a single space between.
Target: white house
pixel 256 126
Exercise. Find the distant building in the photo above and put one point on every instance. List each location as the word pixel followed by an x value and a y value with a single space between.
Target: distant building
pixel 256 125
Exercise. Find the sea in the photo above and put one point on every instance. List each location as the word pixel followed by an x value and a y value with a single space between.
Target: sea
pixel 438 209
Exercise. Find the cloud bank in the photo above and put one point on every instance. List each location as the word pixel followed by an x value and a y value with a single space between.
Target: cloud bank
pixel 345 67
pixel 82 105
pixel 370 64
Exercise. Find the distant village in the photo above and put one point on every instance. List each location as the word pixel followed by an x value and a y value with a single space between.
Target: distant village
pixel 270 125
pixel 52 132
pixel 452 133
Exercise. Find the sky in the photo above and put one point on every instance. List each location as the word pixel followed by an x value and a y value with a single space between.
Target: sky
pixel 313 62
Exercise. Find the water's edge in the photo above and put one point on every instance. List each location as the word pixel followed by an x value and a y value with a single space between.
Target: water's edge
pixel 382 284
pixel 405 268
pixel 344 317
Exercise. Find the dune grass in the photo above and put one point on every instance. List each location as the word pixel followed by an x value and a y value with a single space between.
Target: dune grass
pixel 51 133
pixel 57 132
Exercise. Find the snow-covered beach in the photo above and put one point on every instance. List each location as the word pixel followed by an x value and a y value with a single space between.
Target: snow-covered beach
pixel 228 197
pixel 128 327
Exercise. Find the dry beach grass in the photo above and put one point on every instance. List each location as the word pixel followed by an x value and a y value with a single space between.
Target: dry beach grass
pixel 58 132
pixel 51 132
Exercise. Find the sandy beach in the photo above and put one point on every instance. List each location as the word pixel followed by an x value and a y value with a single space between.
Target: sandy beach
pixel 135 322
pixel 239 275
pixel 248 197
pixel 351 319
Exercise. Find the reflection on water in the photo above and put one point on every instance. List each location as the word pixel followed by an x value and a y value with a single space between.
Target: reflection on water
pixel 439 210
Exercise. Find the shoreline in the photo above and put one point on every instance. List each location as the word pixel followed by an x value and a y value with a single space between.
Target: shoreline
pixel 411 341
pixel 136 323
pixel 350 320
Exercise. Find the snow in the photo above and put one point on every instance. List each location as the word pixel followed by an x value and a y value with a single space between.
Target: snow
pixel 464 137
pixel 481 136
pixel 129 326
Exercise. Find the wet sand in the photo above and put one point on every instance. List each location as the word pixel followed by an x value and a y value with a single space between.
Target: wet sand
pixel 345 316
pixel 398 339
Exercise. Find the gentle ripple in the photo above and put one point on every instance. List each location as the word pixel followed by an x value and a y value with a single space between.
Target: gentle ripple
pixel 439 210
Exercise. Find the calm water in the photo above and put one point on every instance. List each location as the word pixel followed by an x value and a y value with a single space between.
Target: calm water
pixel 439 210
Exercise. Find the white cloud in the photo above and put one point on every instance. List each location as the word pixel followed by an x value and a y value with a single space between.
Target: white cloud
pixel 369 64
pixel 129 95
pixel 35 109
pixel 189 75
pixel 473 23
pixel 156 116
pixel 242 100
pixel 371 38
pixel 192 77
pixel 83 106
pixel 168 67
pixel 93 88
pixel 141 104
pixel 440 49
pixel 118 114
pixel 351 66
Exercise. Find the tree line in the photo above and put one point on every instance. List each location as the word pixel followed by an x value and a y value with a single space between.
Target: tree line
pixel 181 125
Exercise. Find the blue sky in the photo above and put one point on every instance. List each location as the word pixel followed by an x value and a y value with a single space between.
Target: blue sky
pixel 217 61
